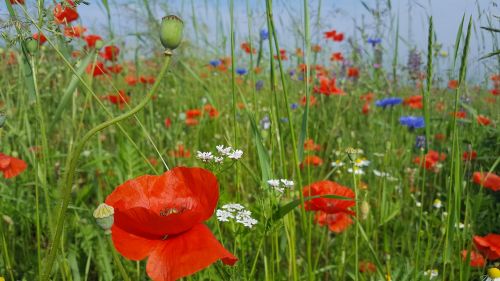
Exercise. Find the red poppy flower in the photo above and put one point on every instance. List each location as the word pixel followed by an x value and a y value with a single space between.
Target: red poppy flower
pixel 116 68
pixel 469 155
pixel 476 259
pixel 11 166
pixel 337 56
pixel 488 180
pixel 65 13
pixel 168 122
pixel 336 222
pixel 453 84
pixel 91 39
pixel 180 152
pixel 459 114
pixel 366 266
pixel 245 46
pixel 309 145
pixel 316 48
pixel 131 80
pixel 368 97
pixel 74 31
pixel 366 108
pixel 17 2
pixel 353 72
pixel 40 38
pixel 110 53
pixel 299 53
pixel 193 113
pixel 495 92
pixel 414 102
pixel 328 205
pixel 431 159
pixel 488 245
pixel 147 79
pixel 192 122
pixel 96 69
pixel 337 37
pixel 119 99
pixel 161 217
pixel 153 161
pixel 311 160
pixel 328 87
pixel 440 137
pixel 282 55
pixel 483 120
pixel 312 100
pixel 211 110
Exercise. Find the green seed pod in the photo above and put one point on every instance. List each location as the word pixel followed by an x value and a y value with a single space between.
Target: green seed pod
pixel 99 44
pixel 104 216
pixel 2 119
pixel 171 32
pixel 31 45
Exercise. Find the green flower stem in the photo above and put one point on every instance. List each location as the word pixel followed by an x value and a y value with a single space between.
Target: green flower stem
pixel 72 161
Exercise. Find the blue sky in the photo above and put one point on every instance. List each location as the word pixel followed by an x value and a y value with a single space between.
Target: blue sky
pixel 212 20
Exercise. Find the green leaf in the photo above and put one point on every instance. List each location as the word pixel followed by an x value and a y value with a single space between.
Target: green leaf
pixel 494 53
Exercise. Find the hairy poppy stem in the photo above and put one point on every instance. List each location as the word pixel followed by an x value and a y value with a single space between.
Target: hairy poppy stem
pixel 72 161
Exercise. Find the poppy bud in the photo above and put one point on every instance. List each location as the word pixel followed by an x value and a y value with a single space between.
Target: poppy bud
pixel 31 45
pixel 99 44
pixel 104 216
pixel 171 32
pixel 2 119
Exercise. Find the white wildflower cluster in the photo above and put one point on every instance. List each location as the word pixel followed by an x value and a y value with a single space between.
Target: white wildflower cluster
pixel 384 175
pixel 431 273
pixel 236 212
pixel 437 203
pixel 280 184
pixel 229 152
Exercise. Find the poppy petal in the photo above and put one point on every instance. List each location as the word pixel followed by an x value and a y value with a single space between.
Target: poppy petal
pixel 131 246
pixel 186 254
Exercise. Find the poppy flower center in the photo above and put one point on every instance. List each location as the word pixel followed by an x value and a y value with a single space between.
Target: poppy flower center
pixel 169 211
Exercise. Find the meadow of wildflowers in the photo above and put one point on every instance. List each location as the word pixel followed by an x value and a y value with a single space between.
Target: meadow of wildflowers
pixel 160 153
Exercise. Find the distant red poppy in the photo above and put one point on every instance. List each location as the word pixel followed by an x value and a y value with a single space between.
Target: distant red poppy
pixel 488 245
pixel 366 266
pixel 459 114
pixel 488 180
pixel 191 121
pixel 119 99
pixel 476 259
pixel 96 69
pixel 115 68
pixel 483 120
pixel 312 100
pixel 110 53
pixel 440 137
pixel 414 102
pixel 336 222
pixel 299 53
pixel 337 56
pixel 309 145
pixel 91 39
pixel 311 160
pixel 168 122
pixel 368 97
pixel 282 55
pixel 495 92
pixel 11 166
pixel 333 35
pixel 431 159
pixel 453 84
pixel 193 113
pixel 353 72
pixel 211 110
pixel 328 87
pixel 147 79
pixel 245 46
pixel 469 155
pixel 65 13
pixel 316 48
pixel 366 108
pixel 180 152
pixel 328 205
pixel 161 217
pixel 131 80
pixel 75 31
pixel 40 38
pixel 153 161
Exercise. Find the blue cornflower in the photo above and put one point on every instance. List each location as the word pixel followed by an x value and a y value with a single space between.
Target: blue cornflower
pixel 259 85
pixel 374 41
pixel 388 101
pixel 264 34
pixel 294 106
pixel 241 71
pixel 291 72
pixel 265 123
pixel 420 142
pixel 412 122
pixel 215 63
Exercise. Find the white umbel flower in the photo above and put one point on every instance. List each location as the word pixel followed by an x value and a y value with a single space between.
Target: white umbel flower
pixel 236 212
pixel 236 154
pixel 287 183
pixel 431 273
pixel 224 150
pixel 204 156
